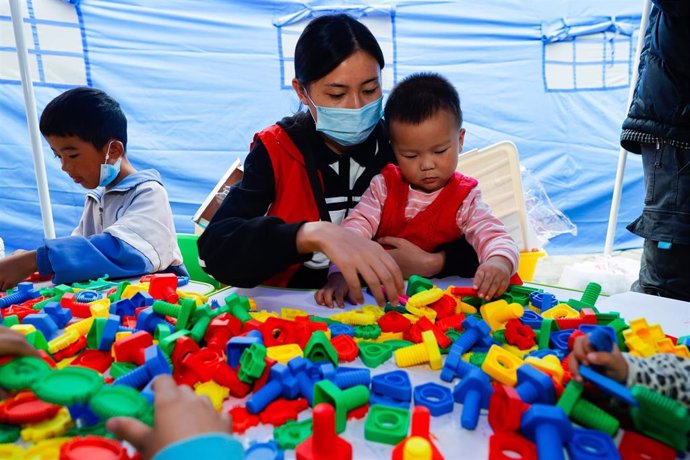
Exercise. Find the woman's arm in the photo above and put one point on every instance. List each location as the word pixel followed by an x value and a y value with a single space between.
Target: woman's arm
pixel 242 246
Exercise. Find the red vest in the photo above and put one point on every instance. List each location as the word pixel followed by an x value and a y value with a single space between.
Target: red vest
pixel 294 199
pixel 431 227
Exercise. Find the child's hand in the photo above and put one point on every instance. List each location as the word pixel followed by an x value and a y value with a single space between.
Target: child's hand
pixel 492 277
pixel 179 414
pixel 613 364
pixel 14 268
pixel 335 289
pixel 412 259
pixel 13 343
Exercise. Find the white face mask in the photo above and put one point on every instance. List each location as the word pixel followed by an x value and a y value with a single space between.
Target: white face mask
pixel 109 172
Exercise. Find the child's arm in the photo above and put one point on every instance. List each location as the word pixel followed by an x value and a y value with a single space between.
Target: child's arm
pixel 203 434
pixel 664 373
pixel 15 268
pixel 364 219
pixel 13 343
pixel 496 249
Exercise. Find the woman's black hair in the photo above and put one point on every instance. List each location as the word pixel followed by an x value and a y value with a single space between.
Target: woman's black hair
pixel 87 113
pixel 327 41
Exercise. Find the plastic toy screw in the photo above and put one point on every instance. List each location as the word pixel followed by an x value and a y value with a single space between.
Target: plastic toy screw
pixel 25 291
pixel 154 365
pixel 324 443
pixel 425 352
pixel 584 412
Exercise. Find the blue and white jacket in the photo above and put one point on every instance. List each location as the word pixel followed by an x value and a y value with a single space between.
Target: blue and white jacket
pixel 124 231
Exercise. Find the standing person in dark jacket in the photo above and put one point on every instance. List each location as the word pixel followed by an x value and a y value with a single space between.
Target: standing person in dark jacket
pixel 658 127
pixel 303 174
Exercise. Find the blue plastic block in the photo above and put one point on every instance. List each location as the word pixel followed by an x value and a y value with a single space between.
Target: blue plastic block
pixel 86 296
pixel 384 400
pixel 591 445
pixel 347 377
pixel 60 315
pixel 341 329
pixel 43 322
pixel 326 371
pixel 236 346
pixel 531 318
pixel 602 338
pixel 22 293
pixel 607 385
pixel 264 451
pixel 124 307
pixel 534 386
pixel 543 300
pixel 147 320
pixel 549 428
pixel 142 299
pixel 559 339
pixel 437 398
pixel 476 333
pixel 395 384
pixel 156 364
pixel 83 414
pixel 182 280
pixel 473 393
pixel 148 393
pixel 281 382
pixel 112 327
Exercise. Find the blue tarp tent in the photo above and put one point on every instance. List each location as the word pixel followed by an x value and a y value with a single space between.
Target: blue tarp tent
pixel 197 79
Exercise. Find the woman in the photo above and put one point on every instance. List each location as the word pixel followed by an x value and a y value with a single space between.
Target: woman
pixel 303 174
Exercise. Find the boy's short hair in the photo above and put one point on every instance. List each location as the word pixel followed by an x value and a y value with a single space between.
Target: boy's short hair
pixel 419 97
pixel 87 113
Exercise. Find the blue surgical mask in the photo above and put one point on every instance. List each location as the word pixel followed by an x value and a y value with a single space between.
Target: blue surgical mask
pixel 109 172
pixel 348 126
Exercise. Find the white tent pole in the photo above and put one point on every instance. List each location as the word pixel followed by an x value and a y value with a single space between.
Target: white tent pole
pixel 622 154
pixel 32 120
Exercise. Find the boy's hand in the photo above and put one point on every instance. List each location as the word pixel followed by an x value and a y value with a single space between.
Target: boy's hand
pixel 492 277
pixel 14 268
pixel 412 259
pixel 179 414
pixel 13 343
pixel 335 289
pixel 613 364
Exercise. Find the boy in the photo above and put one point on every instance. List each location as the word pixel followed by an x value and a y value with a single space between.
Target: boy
pixel 424 200
pixel 126 228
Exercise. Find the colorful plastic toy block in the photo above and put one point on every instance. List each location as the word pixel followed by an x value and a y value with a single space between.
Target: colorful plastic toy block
pixel 324 443
pixel 386 424
pixel 473 392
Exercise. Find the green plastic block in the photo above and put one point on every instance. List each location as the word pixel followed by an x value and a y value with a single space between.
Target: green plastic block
pixel 500 336
pixel 584 412
pixel 93 337
pixel 161 332
pixel 373 354
pixel 661 418
pixel 522 299
pixel 477 358
pixel 321 319
pixel 370 331
pixel 37 339
pixel 343 401
pixel 417 284
pixel 167 345
pixel 579 305
pixel 11 320
pixel 474 301
pixel 200 327
pixel 9 433
pixel 23 372
pixel 605 319
pixel 399 308
pixel 453 335
pixel 117 295
pixel 68 386
pixel 522 289
pixel 386 424
pixel 591 293
pixel 619 325
pixel 319 349
pixel 238 307
pixel 252 363
pixel 292 433
pixel 399 343
pixel 95 285
pixel 118 369
pixel 547 327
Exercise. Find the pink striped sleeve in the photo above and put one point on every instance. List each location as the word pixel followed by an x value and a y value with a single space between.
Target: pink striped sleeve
pixel 486 233
pixel 364 219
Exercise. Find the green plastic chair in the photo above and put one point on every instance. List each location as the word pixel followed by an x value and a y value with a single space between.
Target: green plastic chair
pixel 190 257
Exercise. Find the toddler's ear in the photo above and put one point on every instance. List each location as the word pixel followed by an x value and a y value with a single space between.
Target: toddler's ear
pixel 461 139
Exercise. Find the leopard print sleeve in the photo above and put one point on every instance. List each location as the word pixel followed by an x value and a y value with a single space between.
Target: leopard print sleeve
pixel 664 373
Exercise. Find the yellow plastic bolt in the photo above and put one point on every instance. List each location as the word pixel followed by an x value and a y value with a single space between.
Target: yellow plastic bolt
pixel 292 313
pixel 48 448
pixel 424 298
pixel 199 299
pixel 23 328
pixel 57 426
pixel 12 452
pixel 420 311
pixel 81 328
pixel 63 341
pixel 417 448
pixel 425 352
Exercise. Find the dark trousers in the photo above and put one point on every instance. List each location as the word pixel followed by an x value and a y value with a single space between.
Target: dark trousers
pixel 666 218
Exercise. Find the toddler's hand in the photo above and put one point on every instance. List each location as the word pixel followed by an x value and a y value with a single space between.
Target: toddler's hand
pixel 492 277
pixel 613 364
pixel 335 290
pixel 13 343
pixel 15 268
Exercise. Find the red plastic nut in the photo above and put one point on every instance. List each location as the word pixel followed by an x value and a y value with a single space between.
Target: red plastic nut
pixel 445 306
pixel 163 286
pixel 394 322
pixel 221 329
pixel 346 347
pixel 277 331
pixel 519 334
pixel 634 446
pixel 505 409
pixel 423 324
pixel 242 420
pixel 183 346
pixel 305 328
pixel 202 363
pixel 451 322
pixel 131 348
pixel 280 411
pixel 26 408
pixel 79 310
pixel 252 325
pixel 88 447
pixel 503 444
pixel 97 360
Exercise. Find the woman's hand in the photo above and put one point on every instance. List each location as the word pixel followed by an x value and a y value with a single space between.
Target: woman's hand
pixel 354 256
pixel 412 259
pixel 179 414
